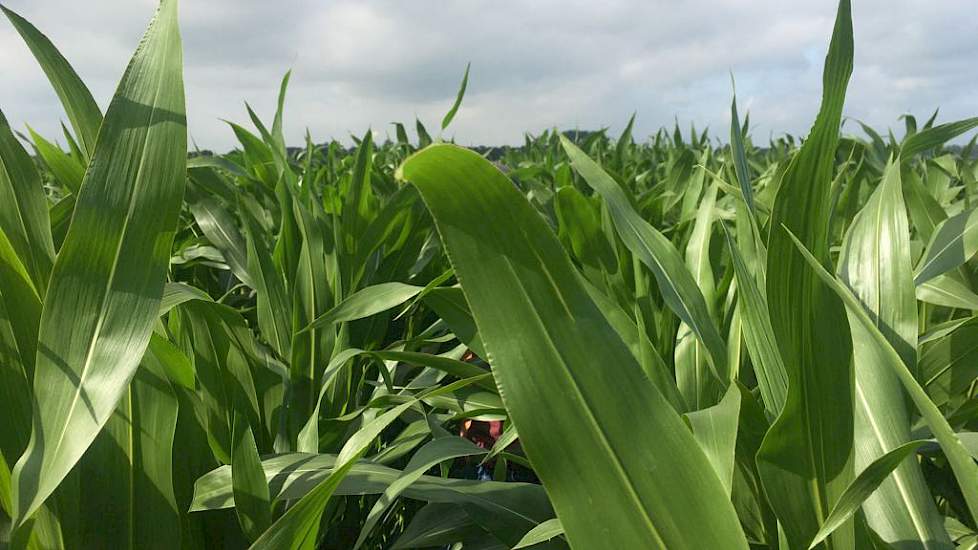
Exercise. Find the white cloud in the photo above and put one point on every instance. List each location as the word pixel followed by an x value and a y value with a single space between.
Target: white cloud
pixel 360 64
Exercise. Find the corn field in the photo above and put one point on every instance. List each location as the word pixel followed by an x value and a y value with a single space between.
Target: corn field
pixel 586 341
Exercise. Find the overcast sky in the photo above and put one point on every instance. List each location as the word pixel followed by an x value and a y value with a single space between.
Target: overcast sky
pixel 567 63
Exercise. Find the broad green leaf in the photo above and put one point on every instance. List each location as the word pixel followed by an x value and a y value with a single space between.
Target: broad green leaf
pixel 805 461
pixel 20 311
pixel 308 440
pixel 80 106
pixel 218 341
pixel 292 475
pixel 175 294
pixel 22 303
pixel 624 140
pixel 925 212
pixel 964 467
pixel 355 212
pixel 451 306
pixel 876 264
pixel 299 527
pixel 514 507
pixel 258 156
pixel 171 361
pixel 638 342
pixel 105 287
pixel 424 138
pixel 514 275
pixel 715 429
pixel 580 227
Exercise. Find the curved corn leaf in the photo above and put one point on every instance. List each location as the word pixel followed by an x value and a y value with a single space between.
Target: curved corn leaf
pixel 69 171
pixel 20 312
pixel 308 440
pixel 864 486
pixel 450 115
pixel 949 365
pixel 175 294
pixel 541 533
pixel 290 476
pixel 274 307
pixel 366 302
pixel 947 291
pixel 106 285
pixel 954 242
pixel 935 136
pixel 83 112
pixel 692 360
pixel 569 412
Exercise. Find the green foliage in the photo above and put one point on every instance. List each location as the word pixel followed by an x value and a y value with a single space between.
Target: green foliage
pixel 687 344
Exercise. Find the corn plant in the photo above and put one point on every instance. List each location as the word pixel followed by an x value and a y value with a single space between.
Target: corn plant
pixel 676 343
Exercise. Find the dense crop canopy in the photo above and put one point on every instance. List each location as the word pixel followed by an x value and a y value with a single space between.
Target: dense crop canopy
pixel 582 342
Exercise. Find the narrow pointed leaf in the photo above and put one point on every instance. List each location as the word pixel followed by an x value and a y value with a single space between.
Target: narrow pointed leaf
pixel 675 282
pixel 865 484
pixel 366 302
pixel 106 285
pixel 24 209
pixel 83 112
pixel 541 533
pixel 450 115
pixel 954 242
